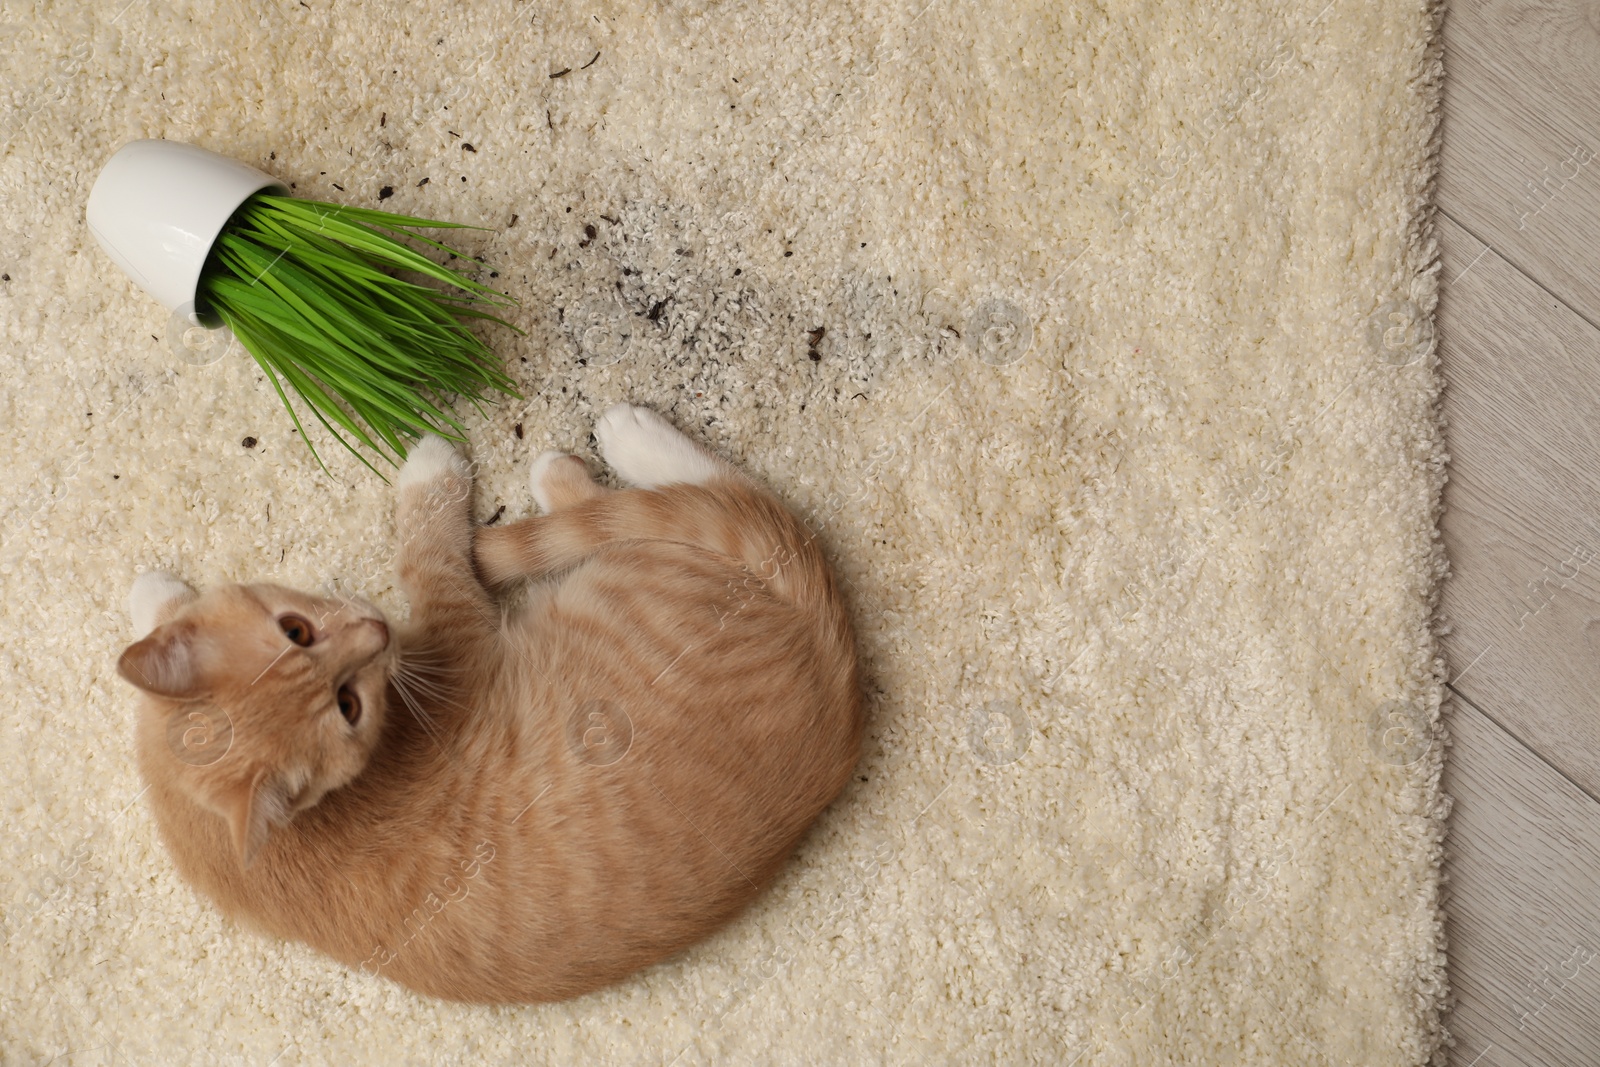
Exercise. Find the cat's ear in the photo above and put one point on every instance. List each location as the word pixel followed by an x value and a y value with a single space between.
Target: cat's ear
pixel 253 812
pixel 154 598
pixel 165 663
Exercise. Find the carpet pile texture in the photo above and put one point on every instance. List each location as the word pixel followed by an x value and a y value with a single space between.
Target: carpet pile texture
pixel 1093 339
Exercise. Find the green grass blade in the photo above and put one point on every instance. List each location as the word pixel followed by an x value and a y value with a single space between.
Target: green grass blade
pixel 311 290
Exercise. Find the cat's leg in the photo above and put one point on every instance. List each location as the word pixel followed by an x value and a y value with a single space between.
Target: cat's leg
pixel 559 481
pixel 520 549
pixel 650 452
pixel 434 523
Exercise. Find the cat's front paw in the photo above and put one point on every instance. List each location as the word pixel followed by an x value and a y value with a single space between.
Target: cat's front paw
pixel 537 479
pixel 429 460
pixel 153 593
pixel 559 480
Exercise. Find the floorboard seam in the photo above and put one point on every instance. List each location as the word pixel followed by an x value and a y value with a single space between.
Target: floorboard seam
pixel 1479 708
pixel 1514 265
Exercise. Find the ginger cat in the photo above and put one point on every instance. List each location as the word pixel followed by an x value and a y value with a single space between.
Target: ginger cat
pixel 498 806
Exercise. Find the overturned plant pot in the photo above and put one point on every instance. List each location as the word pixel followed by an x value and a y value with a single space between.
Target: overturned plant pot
pixel 308 288
pixel 157 208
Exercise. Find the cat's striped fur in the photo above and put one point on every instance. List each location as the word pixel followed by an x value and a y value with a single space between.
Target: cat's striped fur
pixel 529 804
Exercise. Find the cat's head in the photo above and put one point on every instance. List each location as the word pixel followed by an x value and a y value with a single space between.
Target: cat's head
pixel 266 698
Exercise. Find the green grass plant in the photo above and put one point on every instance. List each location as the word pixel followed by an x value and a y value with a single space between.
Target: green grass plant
pixel 314 293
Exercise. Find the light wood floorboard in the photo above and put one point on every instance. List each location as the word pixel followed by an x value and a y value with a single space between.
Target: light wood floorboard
pixel 1519 342
pixel 1524 917
pixel 1522 400
pixel 1521 155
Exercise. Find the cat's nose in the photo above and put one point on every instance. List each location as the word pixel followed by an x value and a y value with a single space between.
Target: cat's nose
pixel 383 632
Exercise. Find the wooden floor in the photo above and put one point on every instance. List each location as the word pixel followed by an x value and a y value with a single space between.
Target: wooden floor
pixel 1519 337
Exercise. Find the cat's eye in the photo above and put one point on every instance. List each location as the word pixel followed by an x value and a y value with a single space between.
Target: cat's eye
pixel 349 705
pixel 297 630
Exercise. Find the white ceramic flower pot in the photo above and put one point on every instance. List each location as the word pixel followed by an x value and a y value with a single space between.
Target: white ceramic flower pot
pixel 157 208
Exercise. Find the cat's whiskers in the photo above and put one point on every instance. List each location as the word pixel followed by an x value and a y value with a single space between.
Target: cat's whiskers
pixel 399 685
pixel 431 659
pixel 415 687
pixel 425 686
pixel 434 696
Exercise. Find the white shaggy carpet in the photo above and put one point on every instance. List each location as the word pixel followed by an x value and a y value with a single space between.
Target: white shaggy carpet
pixel 1093 338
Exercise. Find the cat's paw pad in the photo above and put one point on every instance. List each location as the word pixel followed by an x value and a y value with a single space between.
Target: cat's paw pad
pixel 431 458
pixel 152 593
pixel 648 451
